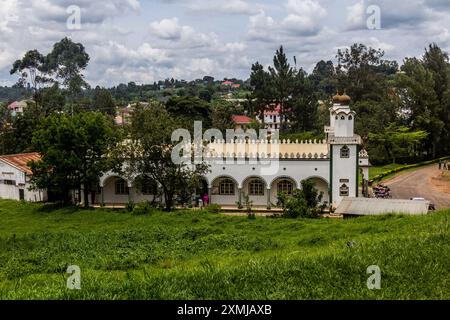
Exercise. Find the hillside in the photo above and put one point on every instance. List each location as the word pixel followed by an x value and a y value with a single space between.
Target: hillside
pixel 199 255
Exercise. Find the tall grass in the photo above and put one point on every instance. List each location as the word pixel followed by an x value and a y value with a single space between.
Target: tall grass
pixel 198 255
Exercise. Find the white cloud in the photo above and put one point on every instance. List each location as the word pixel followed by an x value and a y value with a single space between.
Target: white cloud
pixel 227 7
pixel 9 15
pixel 177 35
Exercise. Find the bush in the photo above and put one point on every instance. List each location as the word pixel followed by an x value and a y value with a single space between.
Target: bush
pixel 143 208
pixel 213 208
pixel 302 203
pixel 129 206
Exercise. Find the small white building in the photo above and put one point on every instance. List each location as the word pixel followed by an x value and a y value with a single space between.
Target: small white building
pixel 17 107
pixel 271 119
pixel 15 176
pixel 262 169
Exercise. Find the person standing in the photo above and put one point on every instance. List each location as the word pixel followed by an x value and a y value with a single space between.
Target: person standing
pixel 206 199
pixel 440 164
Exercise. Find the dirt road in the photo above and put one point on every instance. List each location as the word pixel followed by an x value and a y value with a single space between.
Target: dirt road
pixel 419 184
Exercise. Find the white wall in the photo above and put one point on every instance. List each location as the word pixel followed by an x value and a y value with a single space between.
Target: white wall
pixel 8 172
pixel 296 169
pixel 344 168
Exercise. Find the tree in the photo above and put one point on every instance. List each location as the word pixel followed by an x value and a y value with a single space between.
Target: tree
pixel 32 68
pixel 74 153
pixel 66 62
pixel 324 78
pixel 363 72
pixel 283 76
pixel 419 102
pixel 302 203
pixel 149 150
pixel 189 109
pixel 437 62
pixel 398 141
pixel 103 102
pixel 53 99
pixel 262 95
pixel 222 114
pixel 304 105
pixel 17 131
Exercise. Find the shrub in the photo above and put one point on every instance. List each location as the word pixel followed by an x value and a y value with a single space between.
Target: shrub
pixel 302 203
pixel 143 208
pixel 129 206
pixel 213 208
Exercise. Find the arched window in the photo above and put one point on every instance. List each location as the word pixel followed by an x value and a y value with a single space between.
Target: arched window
pixel 226 187
pixel 345 152
pixel 344 191
pixel 343 118
pixel 256 187
pixel 285 187
pixel 121 187
pixel 350 118
pixel 337 118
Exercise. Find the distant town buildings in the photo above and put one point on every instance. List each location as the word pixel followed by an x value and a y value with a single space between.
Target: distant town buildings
pixel 17 107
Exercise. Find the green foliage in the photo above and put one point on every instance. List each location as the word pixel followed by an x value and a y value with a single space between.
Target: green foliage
pixel 302 203
pixel 398 141
pixel 213 208
pixel 222 112
pixel 74 153
pixel 189 109
pixel 103 102
pixel 143 208
pixel 17 132
pixel 130 205
pixel 149 149
pixel 200 256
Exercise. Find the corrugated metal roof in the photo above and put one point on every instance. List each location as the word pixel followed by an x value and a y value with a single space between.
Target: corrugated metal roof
pixel 372 206
pixel 20 161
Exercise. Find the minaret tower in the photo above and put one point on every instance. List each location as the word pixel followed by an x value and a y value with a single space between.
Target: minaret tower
pixel 344 150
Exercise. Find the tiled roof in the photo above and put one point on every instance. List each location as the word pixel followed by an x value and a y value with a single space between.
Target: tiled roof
pixel 20 161
pixel 242 119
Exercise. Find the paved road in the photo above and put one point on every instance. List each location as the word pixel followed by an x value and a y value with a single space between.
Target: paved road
pixel 419 184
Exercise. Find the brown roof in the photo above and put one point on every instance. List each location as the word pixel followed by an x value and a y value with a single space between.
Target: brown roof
pixel 20 161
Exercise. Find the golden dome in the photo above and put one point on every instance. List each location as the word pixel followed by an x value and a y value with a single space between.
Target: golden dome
pixel 337 98
pixel 345 99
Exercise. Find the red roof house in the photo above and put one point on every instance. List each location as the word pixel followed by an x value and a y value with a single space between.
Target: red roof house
pixel 242 120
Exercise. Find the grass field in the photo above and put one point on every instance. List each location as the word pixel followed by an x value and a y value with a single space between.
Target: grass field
pixel 375 171
pixel 199 255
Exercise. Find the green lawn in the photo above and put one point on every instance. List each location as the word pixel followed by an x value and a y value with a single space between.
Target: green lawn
pixel 375 171
pixel 198 255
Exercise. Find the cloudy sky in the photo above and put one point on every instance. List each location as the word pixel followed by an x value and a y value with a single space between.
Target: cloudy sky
pixel 148 40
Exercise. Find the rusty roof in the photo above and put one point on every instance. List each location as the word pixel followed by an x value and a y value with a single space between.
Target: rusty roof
pixel 20 161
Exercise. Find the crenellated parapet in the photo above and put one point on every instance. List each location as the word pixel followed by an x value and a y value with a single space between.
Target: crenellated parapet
pixel 264 149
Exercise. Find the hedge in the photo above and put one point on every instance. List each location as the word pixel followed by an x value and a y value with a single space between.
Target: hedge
pixel 380 177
